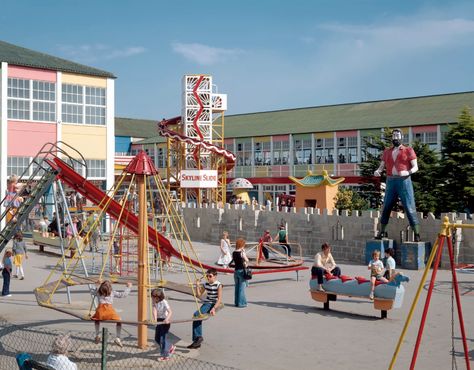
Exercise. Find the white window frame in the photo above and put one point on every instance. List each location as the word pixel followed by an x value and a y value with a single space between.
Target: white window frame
pixel 33 101
pixel 90 107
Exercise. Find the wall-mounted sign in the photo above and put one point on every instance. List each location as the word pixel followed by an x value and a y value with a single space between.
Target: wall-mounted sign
pixel 198 179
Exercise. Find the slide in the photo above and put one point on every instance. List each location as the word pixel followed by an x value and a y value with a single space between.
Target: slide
pixel 166 132
pixel 130 220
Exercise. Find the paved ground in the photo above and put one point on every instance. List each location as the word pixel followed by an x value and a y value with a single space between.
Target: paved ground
pixel 282 327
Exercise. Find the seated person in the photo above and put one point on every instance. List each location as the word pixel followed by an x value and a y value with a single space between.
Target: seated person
pixel 324 264
pixel 58 358
pixel 376 268
pixel 53 227
pixel 389 264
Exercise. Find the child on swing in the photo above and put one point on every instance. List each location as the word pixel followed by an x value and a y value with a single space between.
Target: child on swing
pixel 105 311
pixel 162 314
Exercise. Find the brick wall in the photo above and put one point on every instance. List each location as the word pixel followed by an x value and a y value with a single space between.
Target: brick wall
pixel 310 228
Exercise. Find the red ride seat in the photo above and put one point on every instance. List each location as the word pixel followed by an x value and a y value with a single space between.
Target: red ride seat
pixel 345 278
pixel 362 280
pixel 330 277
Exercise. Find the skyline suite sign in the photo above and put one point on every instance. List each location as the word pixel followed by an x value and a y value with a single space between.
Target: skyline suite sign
pixel 198 178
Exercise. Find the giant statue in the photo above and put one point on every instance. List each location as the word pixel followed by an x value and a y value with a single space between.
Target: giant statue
pixel 400 162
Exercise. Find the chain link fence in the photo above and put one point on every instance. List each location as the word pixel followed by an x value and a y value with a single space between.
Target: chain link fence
pixel 38 342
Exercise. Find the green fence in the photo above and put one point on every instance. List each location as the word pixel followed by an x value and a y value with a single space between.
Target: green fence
pixel 37 340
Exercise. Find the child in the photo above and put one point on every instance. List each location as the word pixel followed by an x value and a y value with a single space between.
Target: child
pixel 19 251
pixel 117 255
pixel 105 311
pixel 213 299
pixel 58 358
pixel 7 262
pixel 43 225
pixel 162 313
pixel 376 268
pixel 389 264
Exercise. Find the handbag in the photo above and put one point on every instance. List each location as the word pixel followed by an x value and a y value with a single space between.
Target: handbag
pixel 247 270
pixel 247 273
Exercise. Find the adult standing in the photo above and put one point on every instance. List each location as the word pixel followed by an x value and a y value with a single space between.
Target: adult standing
pixel 282 238
pixel 240 260
pixel 225 257
pixel 401 162
pixel 324 264
pixel 266 240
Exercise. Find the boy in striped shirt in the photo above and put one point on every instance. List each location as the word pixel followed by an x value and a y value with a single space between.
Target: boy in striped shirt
pixel 213 299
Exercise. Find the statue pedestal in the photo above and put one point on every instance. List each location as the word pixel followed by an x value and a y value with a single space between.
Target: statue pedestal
pixel 415 254
pixel 380 245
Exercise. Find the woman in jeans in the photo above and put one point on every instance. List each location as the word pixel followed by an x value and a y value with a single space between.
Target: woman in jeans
pixel 240 261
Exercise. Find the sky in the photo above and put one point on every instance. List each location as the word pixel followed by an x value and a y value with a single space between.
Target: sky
pixel 265 55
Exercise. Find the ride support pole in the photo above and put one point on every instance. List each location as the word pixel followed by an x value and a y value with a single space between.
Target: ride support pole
pixel 458 303
pixel 142 262
pixel 427 302
pixel 414 303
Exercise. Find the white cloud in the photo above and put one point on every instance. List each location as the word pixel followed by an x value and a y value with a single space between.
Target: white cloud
pixel 88 53
pixel 204 54
pixel 408 34
pixel 345 53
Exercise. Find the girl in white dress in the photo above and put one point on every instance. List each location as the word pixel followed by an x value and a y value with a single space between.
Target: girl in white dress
pixel 225 257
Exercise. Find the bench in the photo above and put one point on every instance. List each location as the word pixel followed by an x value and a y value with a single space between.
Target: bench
pixel 55 242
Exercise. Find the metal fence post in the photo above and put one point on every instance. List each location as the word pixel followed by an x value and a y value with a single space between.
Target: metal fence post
pixel 105 339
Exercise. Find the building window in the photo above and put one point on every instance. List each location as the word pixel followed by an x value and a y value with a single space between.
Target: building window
pixel 429 138
pixel 17 165
pixel 347 150
pixel 44 101
pixel 303 151
pixel 244 154
pixel 95 105
pixel 365 150
pixel 95 168
pixel 262 153
pixel 83 105
pixel 161 158
pixel 281 151
pixel 24 95
pixel 18 98
pixel 72 97
pixel 324 152
pixel 229 147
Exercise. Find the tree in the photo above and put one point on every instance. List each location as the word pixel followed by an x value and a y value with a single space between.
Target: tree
pixel 347 199
pixel 425 181
pixel 457 166
pixel 374 146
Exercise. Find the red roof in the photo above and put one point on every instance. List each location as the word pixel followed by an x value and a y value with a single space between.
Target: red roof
pixel 141 165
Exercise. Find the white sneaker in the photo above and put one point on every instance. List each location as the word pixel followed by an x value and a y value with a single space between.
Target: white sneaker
pixel 118 342
pixel 7 295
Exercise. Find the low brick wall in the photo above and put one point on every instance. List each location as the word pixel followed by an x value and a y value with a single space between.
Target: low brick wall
pixel 310 227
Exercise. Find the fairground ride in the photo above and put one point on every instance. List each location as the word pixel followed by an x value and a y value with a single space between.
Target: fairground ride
pixel 197 162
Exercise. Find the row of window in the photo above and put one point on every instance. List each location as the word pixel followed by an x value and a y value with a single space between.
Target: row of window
pixel 18 165
pixel 326 150
pixel 36 100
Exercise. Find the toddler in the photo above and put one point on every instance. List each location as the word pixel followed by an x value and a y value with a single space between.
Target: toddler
pixel 162 313
pixel 376 269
